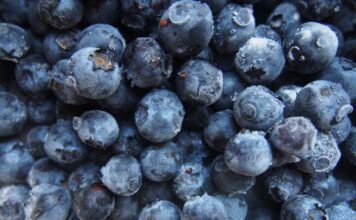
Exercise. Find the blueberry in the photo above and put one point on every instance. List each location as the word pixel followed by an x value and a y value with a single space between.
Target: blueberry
pixel 229 182
pixel 344 19
pixel 12 198
pixel 236 206
pixel 341 211
pixel 32 75
pixel 219 128
pixel 93 202
pixel 288 94
pixel 196 116
pixel 192 180
pixel 47 201
pixel 102 36
pixel 83 176
pixel 122 175
pixel 159 116
pixel 98 66
pixel 58 84
pixel 204 208
pixel 14 42
pixel 260 60
pixel 186 28
pixel 234 25
pixel 295 136
pixel 350 146
pixel 232 85
pixel 284 18
pixel 161 163
pixel 265 31
pixel 60 14
pixel 155 191
pixel 161 210
pixel 248 153
pixel 215 5
pixel 340 38
pixel 325 103
pixel 146 64
pixel 44 171
pixel 35 22
pixel 96 128
pixel 62 144
pixel 317 9
pixel 42 111
pixel 14 11
pixel 199 83
pixel 341 130
pixel 284 183
pixel 126 208
pixel 13 114
pixel 310 48
pixel 206 54
pixel 325 157
pixel 257 108
pixel 59 45
pixel 302 207
pixel 35 140
pixel 16 162
pixel 99 12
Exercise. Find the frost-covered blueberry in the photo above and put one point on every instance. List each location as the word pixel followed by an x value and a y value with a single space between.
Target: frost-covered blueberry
pixel 341 211
pixel 161 210
pixel 83 176
pixel 341 130
pixel 350 146
pixel 236 206
pixel 288 95
pixel 265 31
pixel 284 18
pixel 42 111
pixel 317 9
pixel 126 208
pixel 12 198
pixel 35 140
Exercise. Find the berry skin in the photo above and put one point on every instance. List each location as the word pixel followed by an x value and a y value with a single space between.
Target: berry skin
pixel 341 211
pixel 199 83
pixel 12 198
pixel 159 116
pixel 341 130
pixel 122 175
pixel 248 153
pixel 257 108
pixel 35 140
pixel 284 18
pixel 180 22
pixel 96 128
pixel 317 9
pixel 236 206
pixel 83 176
pixel 126 208
pixel 350 146
pixel 151 192
pixel 42 111
pixel 215 5
pixel 265 31
pixel 105 11
pixel 288 95
pixel 161 210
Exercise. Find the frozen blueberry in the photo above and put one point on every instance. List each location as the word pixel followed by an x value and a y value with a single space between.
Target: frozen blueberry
pixel 32 75
pixel 229 182
pixel 206 54
pixel 12 198
pixel 34 20
pixel 350 146
pixel 122 175
pixel 219 128
pixel 96 128
pixel 341 211
pixel 310 48
pixel 47 201
pixel 288 94
pixel 42 111
pixel 146 64
pixel 248 153
pixel 83 176
pixel 265 31
pixel 193 146
pixel 161 163
pixel 14 42
pixel 199 83
pixel 325 103
pixel 232 85
pixel 284 18
pixel 283 183
pixel 13 115
pixel 236 206
pixel 257 108
pixel 102 36
pixel 62 144
pixel 16 162
pixel 186 28
pixel 233 26
pixel 260 60
pixel 44 171
pixel 155 191
pixel 192 180
pixel 101 12
pixel 326 155
pixel 343 71
pixel 204 208
pixel 161 210
pixel 93 202
pixel 35 139
pixel 58 84
pixel 294 136
pixel 302 207
pixel 317 9
pixel 196 117
pixel 14 11
pixel 98 66
pixel 159 116
pixel 215 5
pixel 126 208
pixel 60 14
pixel 59 45
pixel 341 130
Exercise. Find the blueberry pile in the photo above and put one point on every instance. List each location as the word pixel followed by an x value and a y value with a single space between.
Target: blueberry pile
pixel 177 109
